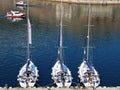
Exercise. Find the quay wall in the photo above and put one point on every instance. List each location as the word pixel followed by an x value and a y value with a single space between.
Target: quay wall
pixel 52 88
pixel 101 2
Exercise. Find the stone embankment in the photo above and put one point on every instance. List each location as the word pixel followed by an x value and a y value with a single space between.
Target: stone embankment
pixel 102 2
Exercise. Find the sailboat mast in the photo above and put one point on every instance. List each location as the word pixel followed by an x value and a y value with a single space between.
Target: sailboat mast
pixel 28 33
pixel 60 31
pixel 27 9
pixel 88 36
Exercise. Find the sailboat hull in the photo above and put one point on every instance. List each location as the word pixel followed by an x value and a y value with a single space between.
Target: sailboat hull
pixel 28 78
pixel 57 78
pixel 88 75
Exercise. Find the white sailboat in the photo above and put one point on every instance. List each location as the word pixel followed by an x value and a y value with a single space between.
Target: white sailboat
pixel 87 73
pixel 21 3
pixel 28 74
pixel 61 75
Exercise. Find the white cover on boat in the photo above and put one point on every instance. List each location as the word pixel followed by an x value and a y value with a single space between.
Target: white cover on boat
pixel 88 75
pixel 62 78
pixel 28 78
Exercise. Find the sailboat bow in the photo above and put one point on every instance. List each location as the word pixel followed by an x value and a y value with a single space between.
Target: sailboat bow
pixel 61 77
pixel 28 75
pixel 88 75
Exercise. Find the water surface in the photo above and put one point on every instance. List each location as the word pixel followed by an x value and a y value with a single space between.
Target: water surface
pixel 45 20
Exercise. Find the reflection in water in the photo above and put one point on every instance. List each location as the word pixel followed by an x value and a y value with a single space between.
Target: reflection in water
pixel 67 11
pixel 99 11
pixel 44 18
pixel 21 7
pixel 14 19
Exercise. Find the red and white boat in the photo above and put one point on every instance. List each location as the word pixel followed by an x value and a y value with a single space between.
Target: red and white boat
pixel 15 14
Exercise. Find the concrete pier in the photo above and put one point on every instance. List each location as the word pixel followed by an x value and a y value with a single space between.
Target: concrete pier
pixel 52 88
pixel 96 2
pixel 100 2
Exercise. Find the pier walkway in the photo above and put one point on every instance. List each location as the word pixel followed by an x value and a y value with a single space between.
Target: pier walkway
pixel 52 88
pixel 101 2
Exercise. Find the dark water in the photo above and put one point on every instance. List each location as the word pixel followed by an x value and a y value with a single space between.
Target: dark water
pixel 44 18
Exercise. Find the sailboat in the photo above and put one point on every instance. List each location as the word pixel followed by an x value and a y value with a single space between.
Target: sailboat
pixel 61 75
pixel 87 73
pixel 21 3
pixel 28 74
